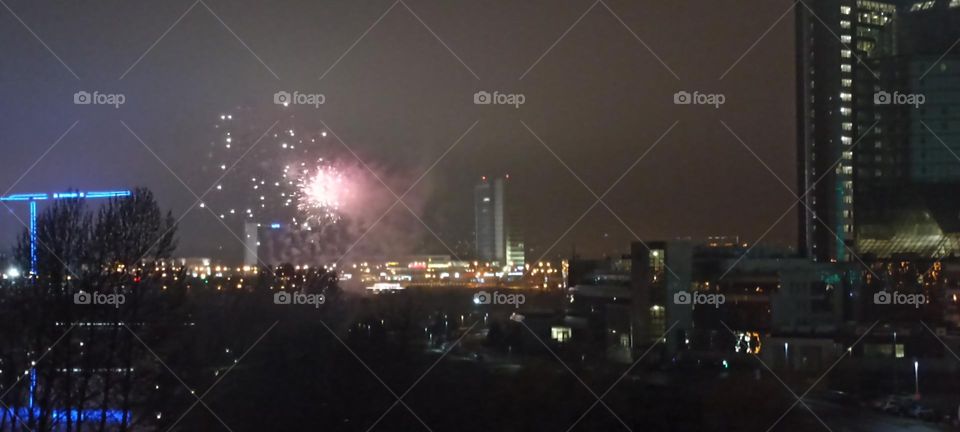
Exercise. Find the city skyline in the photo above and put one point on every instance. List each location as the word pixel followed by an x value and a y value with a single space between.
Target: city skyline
pixel 171 105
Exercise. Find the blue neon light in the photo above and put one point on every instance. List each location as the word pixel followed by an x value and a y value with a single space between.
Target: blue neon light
pixel 113 416
pixel 34 197
pixel 275 226
pixel 33 237
pixel 108 194
pixel 24 197
pixel 94 194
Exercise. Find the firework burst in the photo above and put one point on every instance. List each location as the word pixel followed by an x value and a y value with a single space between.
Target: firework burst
pixel 321 193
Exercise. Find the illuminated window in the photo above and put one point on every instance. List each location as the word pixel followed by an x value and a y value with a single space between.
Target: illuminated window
pixel 845 10
pixel 845 53
pixel 846 67
pixel 846 38
pixel 560 334
pixel 954 3
pixel 845 24
pixel 899 347
pixel 846 97
pixel 846 82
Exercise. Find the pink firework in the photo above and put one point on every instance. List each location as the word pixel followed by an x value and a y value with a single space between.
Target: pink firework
pixel 322 193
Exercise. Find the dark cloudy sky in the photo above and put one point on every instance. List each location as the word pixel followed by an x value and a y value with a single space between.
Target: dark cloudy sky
pixel 598 99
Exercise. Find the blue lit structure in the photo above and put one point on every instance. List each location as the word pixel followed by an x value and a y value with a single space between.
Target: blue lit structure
pixel 32 198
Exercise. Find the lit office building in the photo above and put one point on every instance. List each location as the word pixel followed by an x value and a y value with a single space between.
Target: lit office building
pixel 871 166
pixel 498 239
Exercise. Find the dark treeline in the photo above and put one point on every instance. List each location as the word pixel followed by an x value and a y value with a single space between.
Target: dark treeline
pixel 183 354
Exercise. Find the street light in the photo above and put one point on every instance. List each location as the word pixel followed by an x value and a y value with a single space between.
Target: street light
pixel 916 379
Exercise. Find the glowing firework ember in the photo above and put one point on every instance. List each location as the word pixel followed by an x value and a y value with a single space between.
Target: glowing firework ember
pixel 322 192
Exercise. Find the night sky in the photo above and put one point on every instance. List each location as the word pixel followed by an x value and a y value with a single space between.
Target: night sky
pixel 599 99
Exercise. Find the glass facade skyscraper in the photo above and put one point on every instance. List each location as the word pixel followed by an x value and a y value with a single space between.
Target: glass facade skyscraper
pixel 875 168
